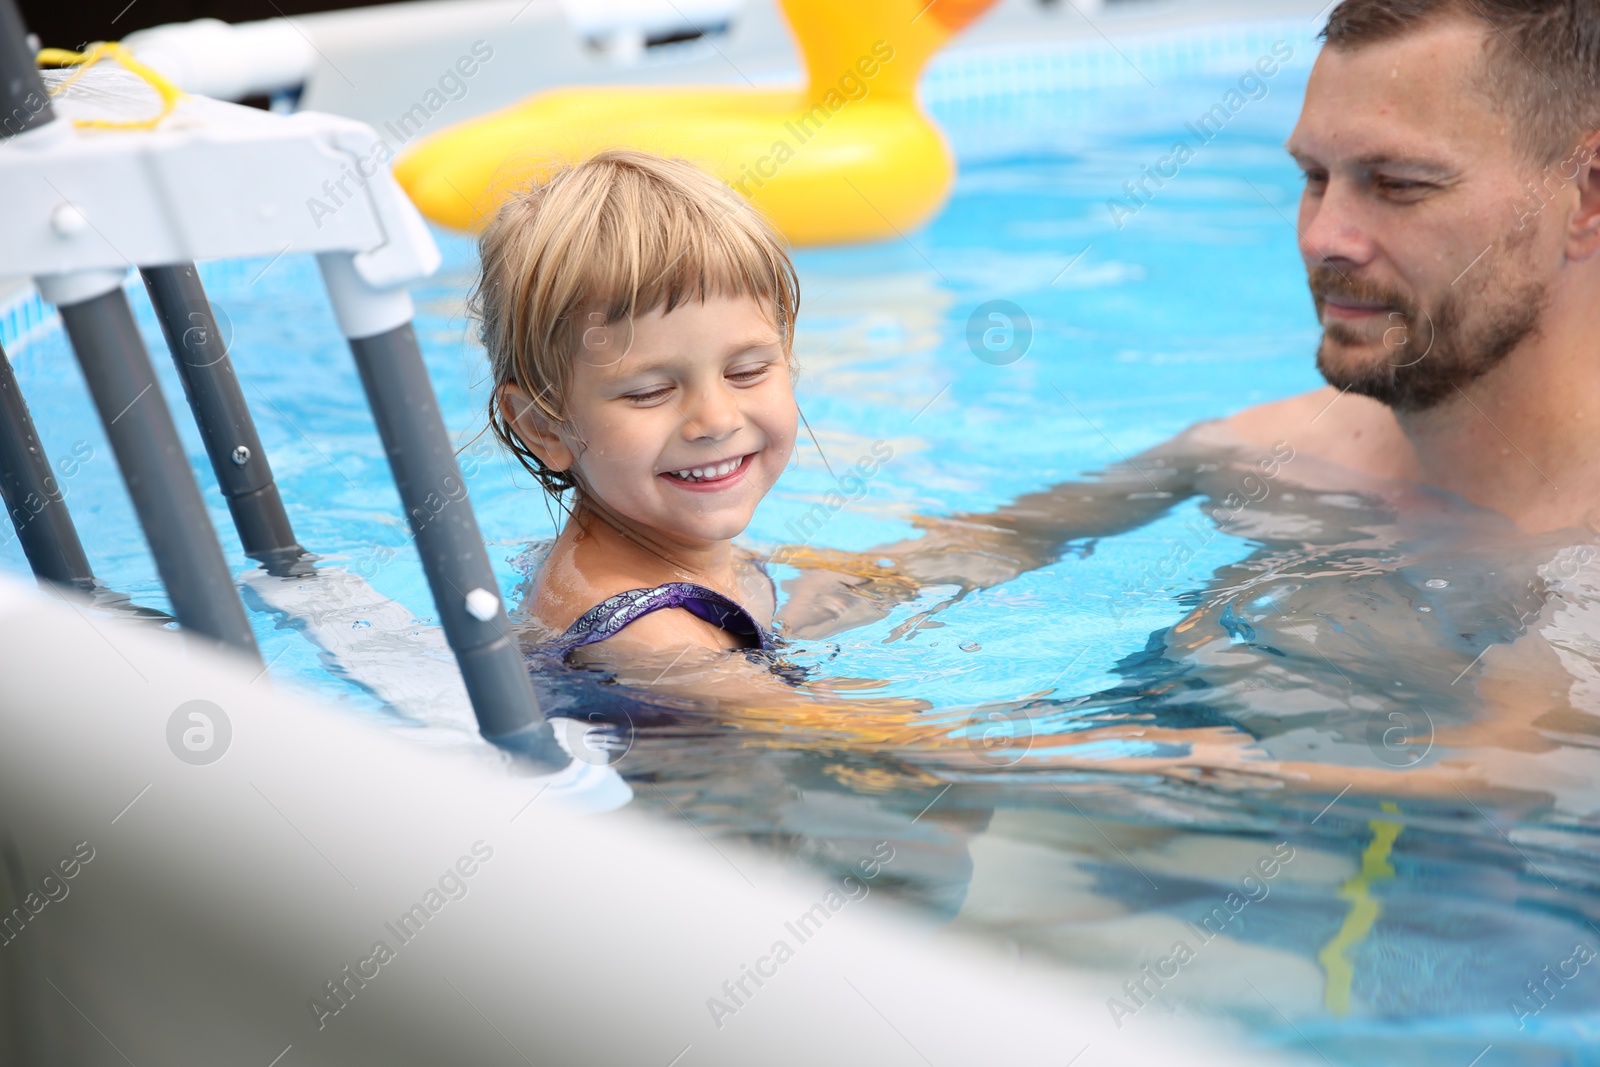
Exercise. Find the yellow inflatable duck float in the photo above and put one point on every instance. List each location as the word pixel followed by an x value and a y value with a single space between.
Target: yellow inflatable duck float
pixel 848 157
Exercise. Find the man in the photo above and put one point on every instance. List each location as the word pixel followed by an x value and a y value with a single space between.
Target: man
pixel 1450 228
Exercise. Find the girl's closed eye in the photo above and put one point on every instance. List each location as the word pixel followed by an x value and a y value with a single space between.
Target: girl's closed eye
pixel 649 396
pixel 750 373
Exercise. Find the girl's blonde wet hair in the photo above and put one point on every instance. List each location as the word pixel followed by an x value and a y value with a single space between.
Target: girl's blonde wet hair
pixel 599 242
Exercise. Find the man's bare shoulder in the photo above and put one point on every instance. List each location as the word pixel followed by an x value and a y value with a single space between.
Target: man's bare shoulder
pixel 1352 431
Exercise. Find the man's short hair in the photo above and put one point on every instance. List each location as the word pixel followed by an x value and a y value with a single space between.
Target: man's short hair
pixel 1541 64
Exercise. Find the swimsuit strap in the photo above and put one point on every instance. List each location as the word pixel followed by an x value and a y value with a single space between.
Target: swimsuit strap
pixel 610 616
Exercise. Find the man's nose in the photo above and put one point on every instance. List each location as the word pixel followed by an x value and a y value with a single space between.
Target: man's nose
pixel 1333 227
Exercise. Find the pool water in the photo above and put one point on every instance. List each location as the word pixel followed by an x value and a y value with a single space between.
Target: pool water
pixel 1343 626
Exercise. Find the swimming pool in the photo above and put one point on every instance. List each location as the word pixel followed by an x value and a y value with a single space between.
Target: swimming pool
pixel 1399 934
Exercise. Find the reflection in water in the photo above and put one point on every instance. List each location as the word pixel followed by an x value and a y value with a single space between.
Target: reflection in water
pixel 1363 638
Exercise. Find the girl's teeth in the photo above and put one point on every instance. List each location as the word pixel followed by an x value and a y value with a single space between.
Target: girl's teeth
pixel 720 470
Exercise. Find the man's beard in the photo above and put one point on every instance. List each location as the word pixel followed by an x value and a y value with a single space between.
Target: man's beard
pixel 1427 356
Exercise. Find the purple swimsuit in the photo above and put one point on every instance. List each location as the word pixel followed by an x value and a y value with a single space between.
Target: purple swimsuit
pixel 607 618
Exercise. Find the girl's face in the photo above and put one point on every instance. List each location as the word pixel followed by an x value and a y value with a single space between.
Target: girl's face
pixel 681 428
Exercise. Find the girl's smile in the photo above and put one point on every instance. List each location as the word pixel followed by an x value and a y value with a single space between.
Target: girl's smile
pixel 711 477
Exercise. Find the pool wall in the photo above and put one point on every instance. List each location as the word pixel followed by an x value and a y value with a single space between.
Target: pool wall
pixel 223 899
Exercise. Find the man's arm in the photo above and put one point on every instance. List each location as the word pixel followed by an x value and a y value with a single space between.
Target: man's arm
pixel 975 551
pixel 837 591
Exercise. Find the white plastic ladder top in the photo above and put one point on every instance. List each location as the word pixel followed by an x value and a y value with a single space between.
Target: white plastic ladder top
pixel 212 181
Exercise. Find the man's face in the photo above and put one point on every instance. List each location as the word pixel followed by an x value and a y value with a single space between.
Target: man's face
pixel 1425 265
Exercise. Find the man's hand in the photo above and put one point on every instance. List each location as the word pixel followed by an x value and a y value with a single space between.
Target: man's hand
pixel 838 591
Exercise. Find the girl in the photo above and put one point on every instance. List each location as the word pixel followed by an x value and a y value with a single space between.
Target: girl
pixel 639 319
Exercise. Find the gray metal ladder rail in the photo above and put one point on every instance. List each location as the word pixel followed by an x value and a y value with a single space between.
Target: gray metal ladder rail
pixel 39 512
pixel 154 467
pixel 426 474
pixel 188 556
pixel 33 496
pixel 389 360
pixel 239 461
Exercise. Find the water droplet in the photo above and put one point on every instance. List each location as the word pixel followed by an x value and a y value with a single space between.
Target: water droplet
pixel 971 646
pixel 1436 583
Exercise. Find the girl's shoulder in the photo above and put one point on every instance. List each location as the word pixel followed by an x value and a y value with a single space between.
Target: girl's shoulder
pixel 555 592
pixel 631 616
pixel 565 607
pixel 674 616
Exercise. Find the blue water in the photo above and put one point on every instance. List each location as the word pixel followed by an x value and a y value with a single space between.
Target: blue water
pixel 1194 307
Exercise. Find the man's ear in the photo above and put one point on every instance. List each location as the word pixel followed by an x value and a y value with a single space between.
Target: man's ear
pixel 1583 234
pixel 535 429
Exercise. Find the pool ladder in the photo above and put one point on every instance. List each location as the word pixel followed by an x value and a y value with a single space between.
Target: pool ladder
pixel 228 182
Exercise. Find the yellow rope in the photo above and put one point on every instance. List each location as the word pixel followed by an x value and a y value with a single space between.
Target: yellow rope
pixel 61 57
pixel 1363 914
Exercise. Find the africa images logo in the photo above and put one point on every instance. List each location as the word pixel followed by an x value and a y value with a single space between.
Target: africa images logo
pixel 199 732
